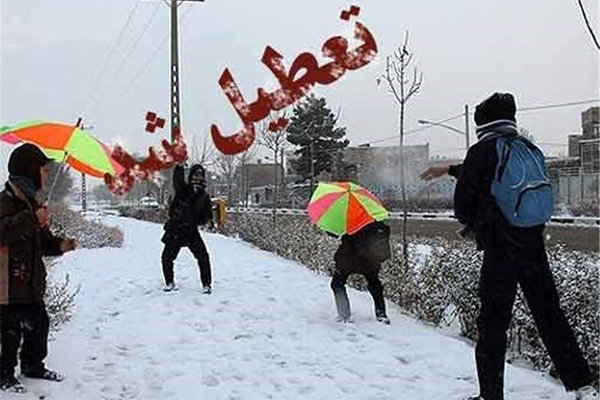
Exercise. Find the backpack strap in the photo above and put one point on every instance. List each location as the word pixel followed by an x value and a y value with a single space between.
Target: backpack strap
pixel 505 154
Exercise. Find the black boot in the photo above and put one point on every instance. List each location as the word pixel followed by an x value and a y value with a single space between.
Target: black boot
pixel 43 373
pixel 382 317
pixel 9 383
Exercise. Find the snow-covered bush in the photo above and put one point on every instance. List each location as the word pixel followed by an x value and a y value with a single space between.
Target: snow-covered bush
pixel 144 214
pixel 60 296
pixel 60 299
pixel 439 285
pixel 584 209
pixel 88 234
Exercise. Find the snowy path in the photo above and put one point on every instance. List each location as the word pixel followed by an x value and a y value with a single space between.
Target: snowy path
pixel 267 332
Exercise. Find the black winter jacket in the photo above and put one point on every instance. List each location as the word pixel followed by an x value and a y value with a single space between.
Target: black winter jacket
pixel 188 209
pixel 474 205
pixel 22 244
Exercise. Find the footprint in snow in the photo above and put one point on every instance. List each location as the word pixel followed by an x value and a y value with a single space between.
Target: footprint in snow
pixel 209 380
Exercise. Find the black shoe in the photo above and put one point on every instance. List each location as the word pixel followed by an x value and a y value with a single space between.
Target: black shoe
pixel 382 317
pixel 43 373
pixel 11 384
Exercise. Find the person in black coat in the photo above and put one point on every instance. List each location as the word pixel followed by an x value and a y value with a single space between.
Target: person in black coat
pixel 25 238
pixel 512 256
pixel 361 253
pixel 190 207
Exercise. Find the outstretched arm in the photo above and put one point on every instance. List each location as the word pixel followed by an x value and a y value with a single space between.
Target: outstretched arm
pixel 178 178
pixel 440 170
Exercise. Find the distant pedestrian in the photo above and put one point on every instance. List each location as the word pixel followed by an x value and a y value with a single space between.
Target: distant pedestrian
pixel 503 198
pixel 25 238
pixel 361 253
pixel 191 207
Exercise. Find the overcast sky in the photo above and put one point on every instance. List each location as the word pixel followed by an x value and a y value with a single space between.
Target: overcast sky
pixel 54 50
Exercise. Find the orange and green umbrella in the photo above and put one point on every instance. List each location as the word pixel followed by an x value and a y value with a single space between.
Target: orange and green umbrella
pixel 65 143
pixel 344 207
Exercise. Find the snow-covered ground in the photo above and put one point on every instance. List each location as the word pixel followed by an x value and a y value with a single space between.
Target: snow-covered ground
pixel 267 332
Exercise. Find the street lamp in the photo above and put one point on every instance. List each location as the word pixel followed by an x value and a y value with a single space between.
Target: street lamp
pixel 451 128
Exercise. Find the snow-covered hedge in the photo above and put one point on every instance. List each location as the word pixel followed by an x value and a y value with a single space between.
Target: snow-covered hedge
pixel 439 285
pixel 60 294
pixel 88 234
pixel 158 215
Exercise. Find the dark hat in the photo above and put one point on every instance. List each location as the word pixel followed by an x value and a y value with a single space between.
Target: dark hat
pixel 26 160
pixel 497 106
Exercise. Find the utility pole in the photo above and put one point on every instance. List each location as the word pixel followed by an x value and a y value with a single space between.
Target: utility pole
pixel 79 124
pixel 467 127
pixel 175 93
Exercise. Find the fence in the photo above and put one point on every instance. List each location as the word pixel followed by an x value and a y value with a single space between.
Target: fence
pixel 576 189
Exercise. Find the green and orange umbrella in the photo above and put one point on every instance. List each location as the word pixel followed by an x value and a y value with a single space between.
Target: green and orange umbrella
pixel 65 143
pixel 344 207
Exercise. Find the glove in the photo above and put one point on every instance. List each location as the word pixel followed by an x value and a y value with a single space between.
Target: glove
pixel 466 233
pixel 43 216
pixel 68 245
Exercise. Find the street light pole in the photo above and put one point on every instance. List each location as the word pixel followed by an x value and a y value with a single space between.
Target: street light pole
pixel 451 128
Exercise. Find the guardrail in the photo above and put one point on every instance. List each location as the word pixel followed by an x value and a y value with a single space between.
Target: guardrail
pixel 556 220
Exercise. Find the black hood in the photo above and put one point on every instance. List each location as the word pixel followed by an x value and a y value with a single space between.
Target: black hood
pixel 26 161
pixel 196 168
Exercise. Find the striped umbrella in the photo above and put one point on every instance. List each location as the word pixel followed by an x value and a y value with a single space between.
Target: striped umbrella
pixel 65 143
pixel 344 207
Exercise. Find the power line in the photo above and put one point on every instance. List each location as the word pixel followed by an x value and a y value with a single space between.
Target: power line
pixel 131 50
pixel 558 105
pixel 528 108
pixel 521 109
pixel 413 131
pixel 91 92
pixel 144 66
pixel 587 23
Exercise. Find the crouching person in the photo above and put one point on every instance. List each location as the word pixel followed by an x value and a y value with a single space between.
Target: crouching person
pixel 24 238
pixel 361 253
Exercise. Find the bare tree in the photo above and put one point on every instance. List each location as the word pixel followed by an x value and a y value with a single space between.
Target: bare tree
pixel 403 85
pixel 244 159
pixel 202 152
pixel 227 167
pixel 274 141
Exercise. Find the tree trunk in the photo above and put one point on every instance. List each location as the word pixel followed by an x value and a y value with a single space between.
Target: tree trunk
pixel 403 177
pixel 282 181
pixel 275 151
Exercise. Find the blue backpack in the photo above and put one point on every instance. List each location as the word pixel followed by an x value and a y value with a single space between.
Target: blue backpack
pixel 521 186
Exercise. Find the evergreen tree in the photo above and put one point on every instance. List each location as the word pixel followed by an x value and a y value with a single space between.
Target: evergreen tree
pixel 313 130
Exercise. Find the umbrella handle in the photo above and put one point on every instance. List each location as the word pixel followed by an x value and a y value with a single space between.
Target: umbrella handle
pixel 56 178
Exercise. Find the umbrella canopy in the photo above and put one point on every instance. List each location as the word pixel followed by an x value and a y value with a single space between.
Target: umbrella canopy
pixel 65 143
pixel 344 207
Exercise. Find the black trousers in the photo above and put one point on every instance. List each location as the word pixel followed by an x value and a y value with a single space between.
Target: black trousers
pixel 27 322
pixel 338 285
pixel 198 249
pixel 523 262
